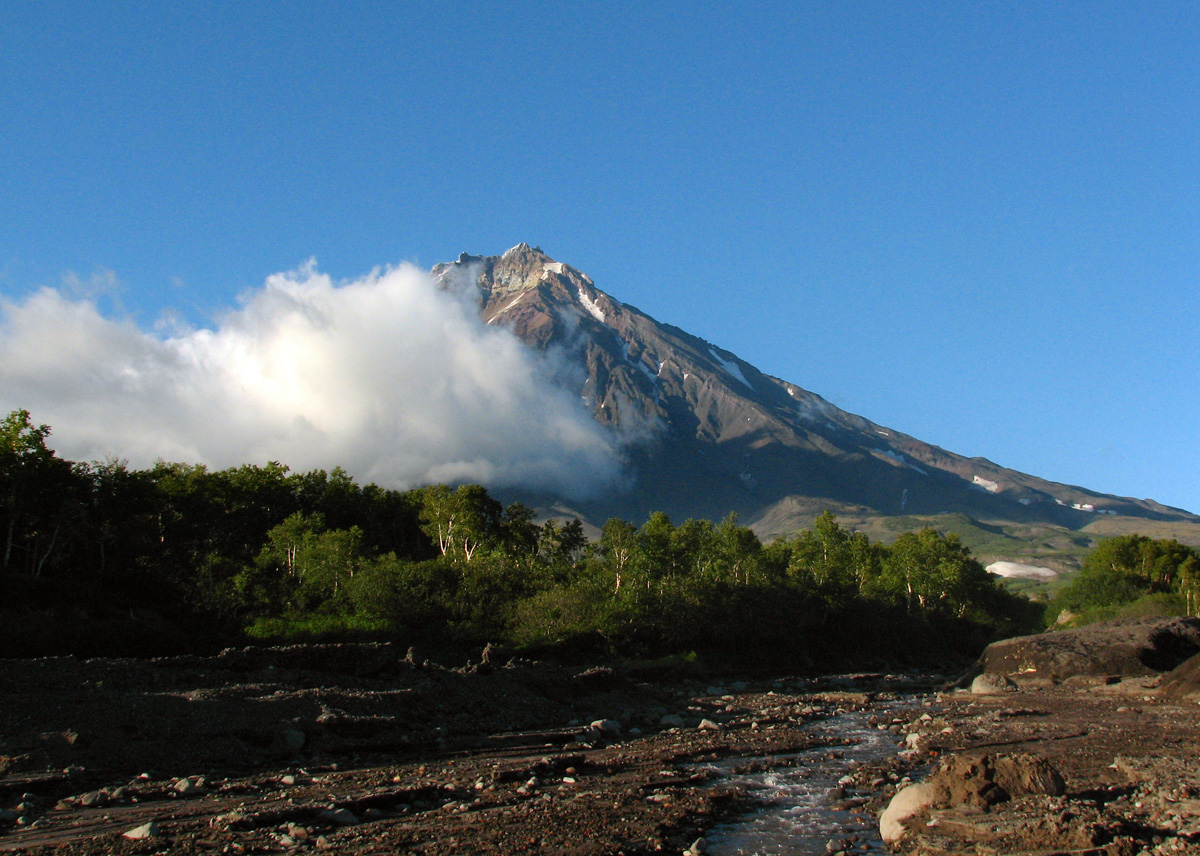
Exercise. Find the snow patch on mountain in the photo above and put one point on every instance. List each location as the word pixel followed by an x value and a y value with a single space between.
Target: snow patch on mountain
pixel 987 484
pixel 591 306
pixel 645 369
pixel 1016 569
pixel 900 459
pixel 510 305
pixel 1086 506
pixel 730 367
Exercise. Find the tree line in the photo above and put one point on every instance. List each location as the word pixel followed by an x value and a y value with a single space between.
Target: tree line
pixel 1131 575
pixel 264 552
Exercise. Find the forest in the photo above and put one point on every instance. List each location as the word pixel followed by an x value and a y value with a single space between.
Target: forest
pixel 1128 576
pixel 99 558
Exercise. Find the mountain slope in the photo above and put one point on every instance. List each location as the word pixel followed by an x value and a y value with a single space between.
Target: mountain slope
pixel 710 434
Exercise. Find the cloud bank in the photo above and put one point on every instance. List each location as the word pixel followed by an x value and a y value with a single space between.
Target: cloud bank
pixel 387 376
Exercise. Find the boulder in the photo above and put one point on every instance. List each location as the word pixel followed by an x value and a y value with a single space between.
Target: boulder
pixel 1182 684
pixel 146 830
pixel 608 727
pixel 905 805
pixel 1123 647
pixel 339 816
pixel 990 683
pixel 978 781
pixel 1028 775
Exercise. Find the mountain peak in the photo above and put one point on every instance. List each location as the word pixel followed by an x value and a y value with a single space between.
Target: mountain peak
pixel 522 249
pixel 715 434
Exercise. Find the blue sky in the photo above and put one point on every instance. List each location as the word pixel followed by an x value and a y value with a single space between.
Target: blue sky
pixel 977 224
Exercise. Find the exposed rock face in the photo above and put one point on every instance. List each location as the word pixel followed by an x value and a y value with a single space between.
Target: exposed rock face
pixel 975 781
pixel 713 434
pixel 1109 648
pixel 1182 683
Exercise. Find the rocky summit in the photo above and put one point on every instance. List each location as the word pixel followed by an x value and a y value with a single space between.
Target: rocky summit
pixel 707 433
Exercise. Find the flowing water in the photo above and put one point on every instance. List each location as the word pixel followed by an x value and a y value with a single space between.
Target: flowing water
pixel 802 806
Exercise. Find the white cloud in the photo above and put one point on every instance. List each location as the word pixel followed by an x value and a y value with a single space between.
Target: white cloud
pixel 387 376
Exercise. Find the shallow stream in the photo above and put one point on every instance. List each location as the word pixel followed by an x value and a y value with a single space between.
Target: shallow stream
pixel 803 807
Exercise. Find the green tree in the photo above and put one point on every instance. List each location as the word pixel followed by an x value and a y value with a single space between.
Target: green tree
pixel 1126 568
pixel 40 496
pixel 822 562
pixel 561 545
pixel 618 550
pixel 737 553
pixel 461 521
pixel 934 572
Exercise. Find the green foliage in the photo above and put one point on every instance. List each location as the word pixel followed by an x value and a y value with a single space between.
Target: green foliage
pixel 316 628
pixel 1128 570
pixel 275 555
pixel 41 498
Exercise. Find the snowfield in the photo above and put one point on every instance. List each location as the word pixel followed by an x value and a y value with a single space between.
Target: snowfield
pixel 1016 569
pixel 731 368
pixel 591 306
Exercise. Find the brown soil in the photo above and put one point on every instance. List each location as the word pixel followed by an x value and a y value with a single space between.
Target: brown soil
pixel 257 751
pixel 353 749
pixel 1128 759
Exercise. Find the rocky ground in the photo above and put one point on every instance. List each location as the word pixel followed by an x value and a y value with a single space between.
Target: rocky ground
pixel 360 749
pixel 1069 743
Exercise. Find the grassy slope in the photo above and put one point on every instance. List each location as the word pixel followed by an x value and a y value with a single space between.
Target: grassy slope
pixel 1044 544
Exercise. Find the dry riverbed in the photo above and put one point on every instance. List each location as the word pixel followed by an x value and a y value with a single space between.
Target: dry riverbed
pixel 1127 758
pixel 356 749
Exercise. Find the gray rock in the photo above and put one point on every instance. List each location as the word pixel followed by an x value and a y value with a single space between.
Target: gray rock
pixel 146 830
pixel 188 787
pixel 339 816
pixel 990 683
pixel 671 720
pixel 607 727
pixel 1120 647
pixel 589 735
pixel 291 740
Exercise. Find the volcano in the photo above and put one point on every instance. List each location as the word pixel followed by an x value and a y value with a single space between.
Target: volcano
pixel 708 434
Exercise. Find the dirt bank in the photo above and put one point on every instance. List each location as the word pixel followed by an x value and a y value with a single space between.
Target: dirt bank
pixel 1124 743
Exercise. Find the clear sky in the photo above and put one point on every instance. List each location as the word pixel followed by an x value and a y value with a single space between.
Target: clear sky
pixel 978 224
